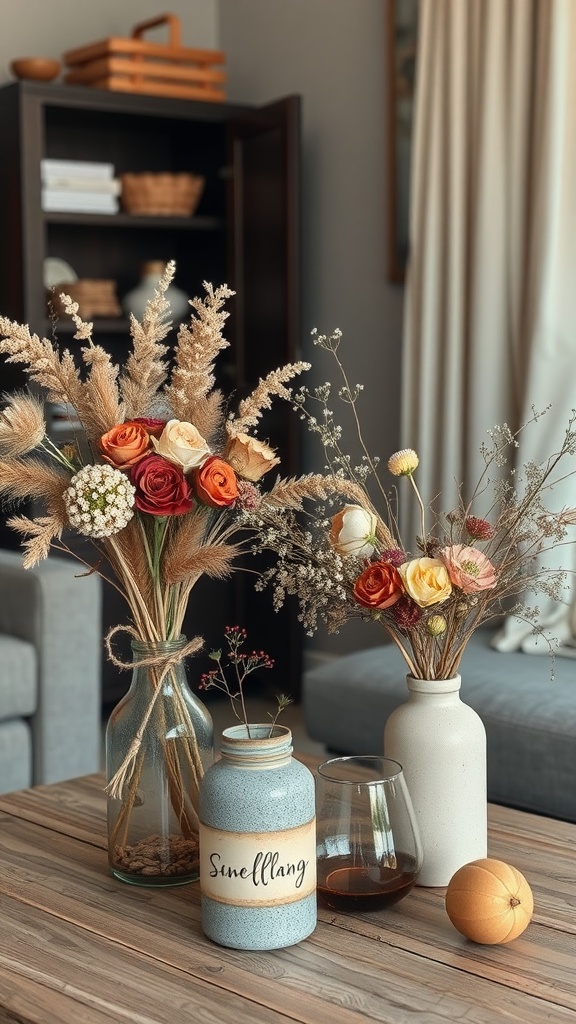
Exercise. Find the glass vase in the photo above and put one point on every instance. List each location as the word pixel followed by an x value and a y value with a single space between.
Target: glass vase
pixel 369 850
pixel 159 743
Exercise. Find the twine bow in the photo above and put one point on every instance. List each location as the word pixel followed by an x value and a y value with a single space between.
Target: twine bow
pixel 166 661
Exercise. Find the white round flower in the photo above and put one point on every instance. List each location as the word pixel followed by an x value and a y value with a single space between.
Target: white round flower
pixel 403 463
pixel 99 501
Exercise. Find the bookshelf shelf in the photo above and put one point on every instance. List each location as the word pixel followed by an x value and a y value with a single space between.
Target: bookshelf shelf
pixel 129 220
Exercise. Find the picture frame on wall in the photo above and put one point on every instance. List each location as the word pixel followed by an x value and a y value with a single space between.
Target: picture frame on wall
pixel 401 31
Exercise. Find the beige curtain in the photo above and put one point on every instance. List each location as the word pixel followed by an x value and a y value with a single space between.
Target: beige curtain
pixel 490 311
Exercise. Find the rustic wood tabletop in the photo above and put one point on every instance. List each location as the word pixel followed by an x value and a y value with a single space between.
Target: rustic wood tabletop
pixel 79 947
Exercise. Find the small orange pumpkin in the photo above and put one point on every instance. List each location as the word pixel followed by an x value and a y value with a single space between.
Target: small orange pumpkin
pixel 489 901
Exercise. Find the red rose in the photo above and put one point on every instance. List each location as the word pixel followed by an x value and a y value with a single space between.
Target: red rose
pixel 161 487
pixel 216 483
pixel 379 586
pixel 153 426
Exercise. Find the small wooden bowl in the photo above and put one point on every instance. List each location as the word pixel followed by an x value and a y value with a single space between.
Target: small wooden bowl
pixel 38 69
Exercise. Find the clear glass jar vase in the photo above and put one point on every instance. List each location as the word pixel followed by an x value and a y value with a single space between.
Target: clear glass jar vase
pixel 159 743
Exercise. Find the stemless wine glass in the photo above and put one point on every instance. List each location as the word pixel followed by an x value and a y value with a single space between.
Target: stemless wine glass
pixel 368 846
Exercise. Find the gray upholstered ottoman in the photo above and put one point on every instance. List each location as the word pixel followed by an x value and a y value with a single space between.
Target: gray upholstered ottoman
pixel 530 720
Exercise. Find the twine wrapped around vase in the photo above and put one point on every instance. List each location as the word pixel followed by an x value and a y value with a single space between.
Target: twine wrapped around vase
pixel 124 774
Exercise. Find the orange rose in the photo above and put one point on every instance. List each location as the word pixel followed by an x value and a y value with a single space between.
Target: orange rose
pixel 125 444
pixel 216 483
pixel 379 586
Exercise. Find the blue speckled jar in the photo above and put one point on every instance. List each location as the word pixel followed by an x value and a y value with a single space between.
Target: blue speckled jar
pixel 257 842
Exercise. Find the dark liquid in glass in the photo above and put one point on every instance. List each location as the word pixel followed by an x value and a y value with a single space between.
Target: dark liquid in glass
pixel 344 886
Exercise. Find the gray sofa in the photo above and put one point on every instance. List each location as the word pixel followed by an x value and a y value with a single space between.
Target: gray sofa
pixel 530 719
pixel 50 658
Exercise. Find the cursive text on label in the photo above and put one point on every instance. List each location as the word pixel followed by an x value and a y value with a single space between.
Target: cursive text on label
pixel 263 870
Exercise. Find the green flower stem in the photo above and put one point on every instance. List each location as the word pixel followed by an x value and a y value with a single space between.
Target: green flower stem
pixel 54 452
pixel 159 532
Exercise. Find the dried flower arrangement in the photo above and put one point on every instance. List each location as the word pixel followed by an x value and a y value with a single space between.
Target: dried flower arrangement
pixel 160 479
pixel 461 572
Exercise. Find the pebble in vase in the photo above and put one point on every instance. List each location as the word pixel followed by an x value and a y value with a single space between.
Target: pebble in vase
pixel 257 842
pixel 441 744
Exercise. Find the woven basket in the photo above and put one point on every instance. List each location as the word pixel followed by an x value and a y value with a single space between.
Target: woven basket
pixel 95 297
pixel 161 195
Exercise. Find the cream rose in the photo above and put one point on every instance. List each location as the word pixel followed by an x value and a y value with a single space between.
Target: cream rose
pixel 181 444
pixel 353 531
pixel 426 581
pixel 249 457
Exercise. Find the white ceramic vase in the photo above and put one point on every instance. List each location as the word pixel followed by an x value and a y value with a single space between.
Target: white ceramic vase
pixel 136 300
pixel 441 744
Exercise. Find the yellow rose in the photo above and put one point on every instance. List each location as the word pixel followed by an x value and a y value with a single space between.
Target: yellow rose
pixel 181 444
pixel 249 457
pixel 426 581
pixel 353 531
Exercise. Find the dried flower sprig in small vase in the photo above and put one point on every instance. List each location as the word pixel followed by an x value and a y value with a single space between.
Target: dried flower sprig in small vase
pixel 243 665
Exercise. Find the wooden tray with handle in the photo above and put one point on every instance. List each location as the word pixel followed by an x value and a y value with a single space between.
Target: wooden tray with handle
pixel 133 64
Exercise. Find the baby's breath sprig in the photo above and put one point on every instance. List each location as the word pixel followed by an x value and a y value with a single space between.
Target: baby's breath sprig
pixel 330 433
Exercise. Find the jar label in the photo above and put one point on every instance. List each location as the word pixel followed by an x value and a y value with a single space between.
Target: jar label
pixel 258 869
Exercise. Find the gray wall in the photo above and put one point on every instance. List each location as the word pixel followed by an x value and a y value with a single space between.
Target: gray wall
pixel 332 52
pixel 47 28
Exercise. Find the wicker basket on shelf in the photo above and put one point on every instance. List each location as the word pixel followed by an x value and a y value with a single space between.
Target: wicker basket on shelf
pixel 95 297
pixel 161 195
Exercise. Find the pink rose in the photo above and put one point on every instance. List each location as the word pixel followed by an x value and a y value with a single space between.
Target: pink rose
pixel 468 568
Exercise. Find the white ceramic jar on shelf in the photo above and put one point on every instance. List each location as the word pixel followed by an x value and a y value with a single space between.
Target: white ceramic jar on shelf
pixel 135 300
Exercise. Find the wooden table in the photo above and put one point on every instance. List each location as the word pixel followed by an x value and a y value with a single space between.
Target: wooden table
pixel 79 947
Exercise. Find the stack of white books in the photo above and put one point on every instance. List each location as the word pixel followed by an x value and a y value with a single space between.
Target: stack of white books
pixel 79 186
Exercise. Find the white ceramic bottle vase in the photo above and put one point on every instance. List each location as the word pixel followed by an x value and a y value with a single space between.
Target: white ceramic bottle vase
pixel 441 744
